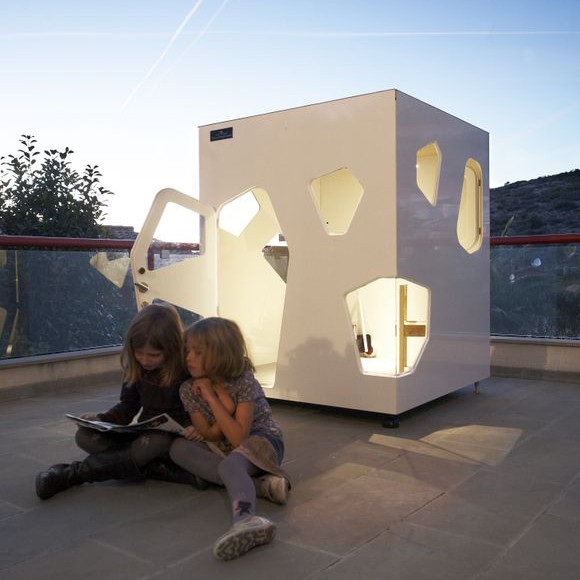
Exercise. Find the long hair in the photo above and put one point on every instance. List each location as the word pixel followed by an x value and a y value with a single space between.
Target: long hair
pixel 159 327
pixel 226 353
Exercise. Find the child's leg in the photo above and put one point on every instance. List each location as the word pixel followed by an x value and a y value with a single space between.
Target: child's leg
pixel 93 441
pixel 236 473
pixel 150 452
pixel 196 458
pixel 248 530
pixel 150 445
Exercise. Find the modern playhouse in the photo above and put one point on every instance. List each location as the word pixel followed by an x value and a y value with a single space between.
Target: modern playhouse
pixel 349 240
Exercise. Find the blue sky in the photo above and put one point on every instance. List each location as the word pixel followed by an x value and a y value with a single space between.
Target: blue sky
pixel 126 83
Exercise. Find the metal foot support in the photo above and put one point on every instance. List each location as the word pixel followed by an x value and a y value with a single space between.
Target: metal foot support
pixel 391 421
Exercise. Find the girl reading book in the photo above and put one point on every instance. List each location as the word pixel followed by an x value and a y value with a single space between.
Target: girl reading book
pixel 153 369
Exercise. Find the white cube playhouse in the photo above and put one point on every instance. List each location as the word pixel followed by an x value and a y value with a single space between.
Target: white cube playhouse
pixel 349 239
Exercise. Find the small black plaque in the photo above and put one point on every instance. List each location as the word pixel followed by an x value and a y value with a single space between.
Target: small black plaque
pixel 221 134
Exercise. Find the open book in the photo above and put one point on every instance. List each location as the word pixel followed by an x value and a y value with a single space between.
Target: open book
pixel 161 422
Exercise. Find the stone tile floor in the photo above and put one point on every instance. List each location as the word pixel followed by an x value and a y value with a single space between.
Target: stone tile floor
pixel 472 486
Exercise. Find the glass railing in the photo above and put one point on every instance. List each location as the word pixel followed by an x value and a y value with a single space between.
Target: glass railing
pixel 64 294
pixel 535 286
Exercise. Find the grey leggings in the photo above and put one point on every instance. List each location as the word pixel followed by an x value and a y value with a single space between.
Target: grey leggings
pixel 234 471
pixel 144 447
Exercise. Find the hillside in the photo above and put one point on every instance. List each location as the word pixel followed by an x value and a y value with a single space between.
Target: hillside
pixel 546 205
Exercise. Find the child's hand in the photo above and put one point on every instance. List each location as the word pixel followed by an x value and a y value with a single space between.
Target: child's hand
pixel 192 434
pixel 89 416
pixel 204 389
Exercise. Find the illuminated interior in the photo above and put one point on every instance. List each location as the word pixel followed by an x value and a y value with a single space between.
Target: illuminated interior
pixel 390 322
pixel 251 289
pixel 470 217
pixel 428 169
pixel 336 195
pixel 276 254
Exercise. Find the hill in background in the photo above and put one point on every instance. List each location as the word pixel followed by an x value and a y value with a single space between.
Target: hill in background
pixel 546 205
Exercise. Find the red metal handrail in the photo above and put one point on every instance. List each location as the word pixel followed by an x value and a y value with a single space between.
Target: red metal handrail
pixel 91 243
pixel 85 243
pixel 76 243
pixel 543 239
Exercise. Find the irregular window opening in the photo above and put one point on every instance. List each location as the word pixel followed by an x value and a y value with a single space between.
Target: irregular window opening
pixel 428 170
pixel 176 237
pixel 470 217
pixel 337 196
pixel 389 318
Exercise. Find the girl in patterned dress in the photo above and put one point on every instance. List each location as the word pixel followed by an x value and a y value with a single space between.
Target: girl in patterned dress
pixel 243 444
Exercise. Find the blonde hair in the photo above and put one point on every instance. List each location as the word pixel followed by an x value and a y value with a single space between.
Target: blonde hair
pixel 159 327
pixel 226 354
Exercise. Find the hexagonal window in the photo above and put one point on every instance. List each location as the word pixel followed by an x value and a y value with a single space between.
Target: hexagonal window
pixel 336 195
pixel 390 322
pixel 428 169
pixel 470 216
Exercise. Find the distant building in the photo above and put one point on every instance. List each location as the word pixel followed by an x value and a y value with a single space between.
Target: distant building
pixel 121 232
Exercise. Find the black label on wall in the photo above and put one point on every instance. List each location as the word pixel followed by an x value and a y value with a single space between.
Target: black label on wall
pixel 220 134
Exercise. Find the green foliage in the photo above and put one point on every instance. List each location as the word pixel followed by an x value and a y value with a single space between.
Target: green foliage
pixel 47 197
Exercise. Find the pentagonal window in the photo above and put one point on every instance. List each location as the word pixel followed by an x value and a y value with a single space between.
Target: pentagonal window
pixel 470 217
pixel 390 322
pixel 336 196
pixel 428 169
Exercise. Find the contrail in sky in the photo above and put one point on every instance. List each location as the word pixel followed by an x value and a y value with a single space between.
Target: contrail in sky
pixel 201 34
pixel 162 55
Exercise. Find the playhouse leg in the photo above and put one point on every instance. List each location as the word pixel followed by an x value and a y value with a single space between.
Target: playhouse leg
pixel 476 387
pixel 391 421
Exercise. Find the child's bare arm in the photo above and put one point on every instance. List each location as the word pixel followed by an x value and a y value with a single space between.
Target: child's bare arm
pixel 234 424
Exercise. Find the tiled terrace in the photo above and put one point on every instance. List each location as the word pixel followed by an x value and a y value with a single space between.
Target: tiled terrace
pixel 471 486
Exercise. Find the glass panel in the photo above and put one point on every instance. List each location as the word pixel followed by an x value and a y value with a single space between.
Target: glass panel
pixel 60 301
pixel 535 291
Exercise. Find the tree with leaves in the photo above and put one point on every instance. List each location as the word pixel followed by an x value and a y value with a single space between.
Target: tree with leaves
pixel 47 197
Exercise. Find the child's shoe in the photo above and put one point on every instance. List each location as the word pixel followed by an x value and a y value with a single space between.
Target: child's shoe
pixel 273 488
pixel 244 535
